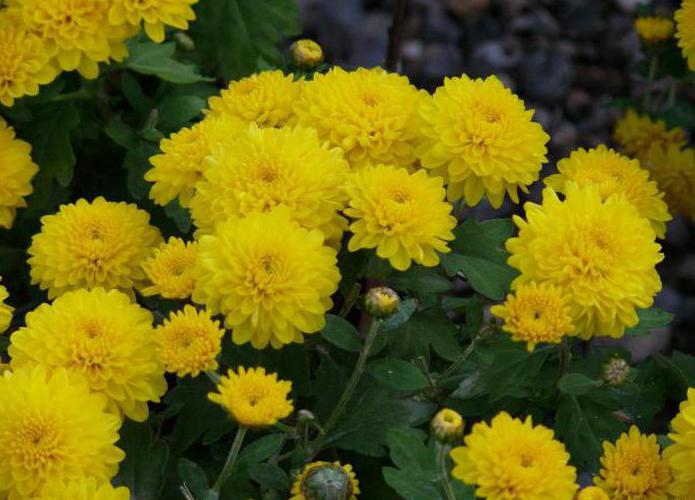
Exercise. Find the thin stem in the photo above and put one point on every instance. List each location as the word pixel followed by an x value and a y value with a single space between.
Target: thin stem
pixel 671 95
pixel 443 473
pixel 456 364
pixel 81 94
pixel 350 300
pixel 231 459
pixel 646 100
pixel 393 52
pixel 214 377
pixel 565 356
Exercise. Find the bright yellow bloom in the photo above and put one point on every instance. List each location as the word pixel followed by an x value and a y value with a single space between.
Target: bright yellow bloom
pixel 171 269
pixel 5 310
pixel 633 469
pixel 88 245
pixel 24 61
pixel 404 216
pixel 102 336
pixel 253 398
pixel 189 342
pixel 482 139
pixel 53 429
pixel 510 459
pixel 324 477
pixel 602 254
pixel 653 29
pixel 372 115
pixel 614 173
pixel 673 169
pixel 179 167
pixel 271 278
pixel 76 32
pixel 639 135
pixel 84 489
pixel 154 14
pixel 592 493
pixel 685 31
pixel 447 425
pixel 269 167
pixel 265 98
pixel 16 171
pixel 681 454
pixel 536 313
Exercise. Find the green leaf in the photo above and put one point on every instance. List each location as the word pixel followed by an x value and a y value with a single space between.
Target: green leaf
pixel 235 38
pixel 136 163
pixel 577 384
pixel 479 255
pixel 181 216
pixel 341 333
pixel 420 280
pixel 397 374
pixel 177 110
pixel 158 60
pixel 270 476
pixel 416 475
pixel 122 134
pixel 424 331
pixel 680 370
pixel 650 319
pixel 261 449
pixel 405 311
pixel 193 477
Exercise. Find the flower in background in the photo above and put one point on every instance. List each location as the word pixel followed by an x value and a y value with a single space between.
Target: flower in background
pixel 673 169
pixel 326 480
pixel 372 115
pixel 254 398
pixel 270 277
pixel 536 313
pixel 681 453
pixel 53 429
pixel 633 468
pixel 613 173
pixel 639 135
pixel 267 168
pixel 102 336
pixel 189 342
pixel 179 167
pixel 482 139
pixel 154 14
pixel 89 245
pixel 84 489
pixel 264 98
pixel 171 269
pixel 5 309
pixel 685 30
pixel 509 458
pixel 652 29
pixel 16 171
pixel 403 215
pixel 602 254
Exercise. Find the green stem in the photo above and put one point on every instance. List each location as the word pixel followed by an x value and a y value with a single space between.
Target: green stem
pixel 671 96
pixel 231 459
pixel 78 95
pixel 214 377
pixel 443 473
pixel 565 356
pixel 456 364
pixel 350 300
pixel 646 100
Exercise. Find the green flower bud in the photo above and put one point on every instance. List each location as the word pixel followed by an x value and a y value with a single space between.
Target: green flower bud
pixel 306 54
pixel 616 371
pixel 327 482
pixel 382 302
pixel 447 425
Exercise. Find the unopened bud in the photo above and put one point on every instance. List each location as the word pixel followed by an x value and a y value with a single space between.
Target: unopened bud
pixel 184 41
pixel 382 302
pixel 592 493
pixel 326 481
pixel 305 416
pixel 306 54
pixel 616 371
pixel 447 425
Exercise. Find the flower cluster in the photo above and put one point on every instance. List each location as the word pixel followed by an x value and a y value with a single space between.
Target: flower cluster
pixel 16 171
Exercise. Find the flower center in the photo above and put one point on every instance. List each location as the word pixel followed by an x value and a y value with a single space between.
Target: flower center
pixel 37 443
pixel 370 100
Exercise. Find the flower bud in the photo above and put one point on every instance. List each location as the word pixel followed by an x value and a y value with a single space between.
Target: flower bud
pixel 326 481
pixel 305 416
pixel 447 425
pixel 382 302
pixel 306 54
pixel 616 371
pixel 592 493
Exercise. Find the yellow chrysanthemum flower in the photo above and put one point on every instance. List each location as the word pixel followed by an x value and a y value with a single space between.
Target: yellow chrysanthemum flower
pixel 404 216
pixel 511 459
pixel 253 398
pixel 84 489
pixel 5 309
pixel 102 336
pixel 53 429
pixel 653 29
pixel 177 170
pixel 592 493
pixel 685 31
pixel 265 98
pixel 89 245
pixel 16 171
pixel 171 269
pixel 536 313
pixel 613 173
pixel 482 139
pixel 639 135
pixel 681 454
pixel 76 32
pixel 602 254
pixel 673 169
pixel 271 278
pixel 154 14
pixel 24 61
pixel 189 342
pixel 270 167
pixel 372 115
pixel 632 468
pixel 318 479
